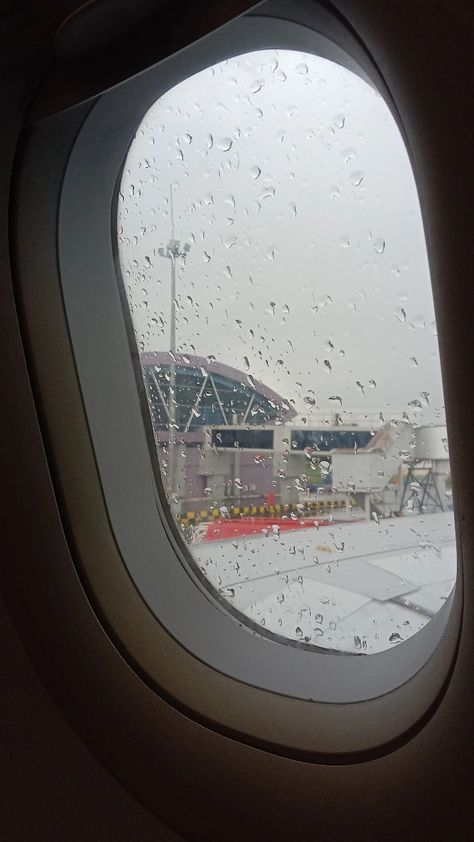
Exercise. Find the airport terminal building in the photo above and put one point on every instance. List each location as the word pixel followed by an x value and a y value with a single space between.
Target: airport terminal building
pixel 240 445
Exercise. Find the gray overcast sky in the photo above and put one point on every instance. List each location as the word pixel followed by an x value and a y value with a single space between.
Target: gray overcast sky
pixel 293 187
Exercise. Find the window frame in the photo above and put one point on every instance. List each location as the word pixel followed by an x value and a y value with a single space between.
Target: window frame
pixel 324 727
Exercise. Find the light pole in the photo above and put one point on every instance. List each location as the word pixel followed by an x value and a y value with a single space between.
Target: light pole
pixel 172 251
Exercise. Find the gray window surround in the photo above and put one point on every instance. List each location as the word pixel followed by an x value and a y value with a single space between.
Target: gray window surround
pixel 88 276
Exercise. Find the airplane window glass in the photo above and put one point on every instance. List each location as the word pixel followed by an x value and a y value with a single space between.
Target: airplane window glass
pixel 274 262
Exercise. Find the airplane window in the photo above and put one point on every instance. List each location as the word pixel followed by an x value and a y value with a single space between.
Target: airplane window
pixel 273 258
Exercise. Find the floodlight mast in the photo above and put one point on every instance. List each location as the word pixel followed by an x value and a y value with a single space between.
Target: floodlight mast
pixel 173 251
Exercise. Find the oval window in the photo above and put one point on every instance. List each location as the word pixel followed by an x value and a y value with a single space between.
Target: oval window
pixel 272 252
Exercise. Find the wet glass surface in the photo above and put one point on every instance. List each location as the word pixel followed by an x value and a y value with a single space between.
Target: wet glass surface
pixel 273 256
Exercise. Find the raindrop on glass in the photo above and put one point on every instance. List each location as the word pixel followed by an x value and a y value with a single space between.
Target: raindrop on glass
pixel 379 246
pixel 224 144
pixel 356 178
pixel 348 155
pixel 401 315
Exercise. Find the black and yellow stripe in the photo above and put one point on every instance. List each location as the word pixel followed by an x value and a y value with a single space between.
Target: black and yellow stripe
pixel 265 510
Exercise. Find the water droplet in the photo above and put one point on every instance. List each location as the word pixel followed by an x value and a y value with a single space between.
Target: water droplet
pixel 348 155
pixel 224 144
pixel 379 246
pixel 356 178
pixel 327 366
pixel 206 257
pixel 325 468
pixel 302 69
pixel 395 638
pixel 372 384
pixel 339 121
pixel 419 321
pixel 360 387
pixel 401 315
pixel 280 75
pixel 425 396
pixel 257 86
pixel 255 172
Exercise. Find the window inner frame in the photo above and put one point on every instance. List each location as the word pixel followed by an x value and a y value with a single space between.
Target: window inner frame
pixel 202 626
